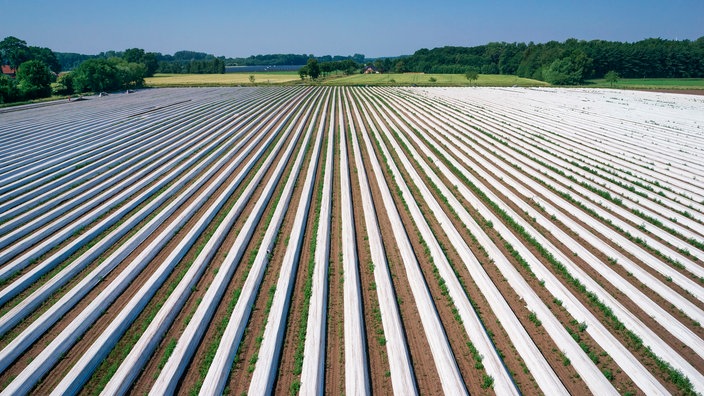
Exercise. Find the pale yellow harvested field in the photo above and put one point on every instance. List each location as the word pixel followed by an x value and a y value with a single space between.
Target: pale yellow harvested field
pixel 187 80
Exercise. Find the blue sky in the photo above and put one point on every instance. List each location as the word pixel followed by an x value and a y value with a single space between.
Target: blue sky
pixel 383 28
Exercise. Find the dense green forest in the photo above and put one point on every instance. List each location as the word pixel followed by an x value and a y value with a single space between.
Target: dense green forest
pixel 569 62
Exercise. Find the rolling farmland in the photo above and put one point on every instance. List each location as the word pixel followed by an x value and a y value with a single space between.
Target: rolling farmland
pixel 353 240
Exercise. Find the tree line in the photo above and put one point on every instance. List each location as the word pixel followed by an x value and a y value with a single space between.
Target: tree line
pixel 290 59
pixel 568 62
pixel 201 62
pixel 179 63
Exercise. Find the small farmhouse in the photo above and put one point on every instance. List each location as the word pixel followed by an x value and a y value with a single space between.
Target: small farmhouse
pixel 370 69
pixel 8 71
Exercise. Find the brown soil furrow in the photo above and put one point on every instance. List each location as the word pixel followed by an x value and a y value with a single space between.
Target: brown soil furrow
pixel 490 122
pixel 139 325
pixel 544 342
pixel 335 336
pixel 585 301
pixel 605 362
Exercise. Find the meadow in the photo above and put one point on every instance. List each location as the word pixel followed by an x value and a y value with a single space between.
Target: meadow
pixel 650 83
pixel 422 79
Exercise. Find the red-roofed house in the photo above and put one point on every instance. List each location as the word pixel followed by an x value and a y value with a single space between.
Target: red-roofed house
pixel 8 71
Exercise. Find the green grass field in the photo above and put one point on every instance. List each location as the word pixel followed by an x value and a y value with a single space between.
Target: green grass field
pixel 210 80
pixel 650 83
pixel 484 80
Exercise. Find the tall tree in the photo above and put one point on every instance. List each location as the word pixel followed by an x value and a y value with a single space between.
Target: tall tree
pixel 95 75
pixel 34 79
pixel 63 85
pixel 8 89
pixel 14 51
pixel 400 67
pixel 563 72
pixel 303 72
pixel 471 75
pixel 611 77
pixel 133 55
pixel 129 74
pixel 151 62
pixel 47 56
pixel 313 68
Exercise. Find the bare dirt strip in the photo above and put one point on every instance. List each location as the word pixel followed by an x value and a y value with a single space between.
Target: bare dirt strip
pixel 549 349
pixel 335 337
pixel 455 331
pixel 630 305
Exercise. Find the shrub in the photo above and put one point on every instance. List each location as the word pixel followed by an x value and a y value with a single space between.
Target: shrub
pixel 34 79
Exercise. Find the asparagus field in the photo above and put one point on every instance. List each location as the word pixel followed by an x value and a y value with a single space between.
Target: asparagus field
pixel 330 240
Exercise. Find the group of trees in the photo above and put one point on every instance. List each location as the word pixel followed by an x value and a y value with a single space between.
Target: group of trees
pixel 313 69
pixel 190 62
pixel 347 67
pixel 568 62
pixel 14 52
pixel 126 71
pixel 97 75
pixel 35 69
pixel 37 72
